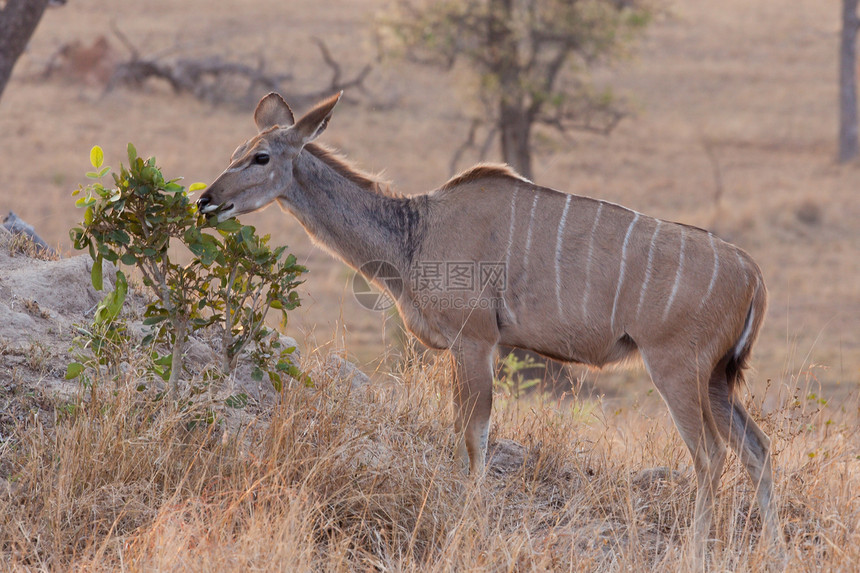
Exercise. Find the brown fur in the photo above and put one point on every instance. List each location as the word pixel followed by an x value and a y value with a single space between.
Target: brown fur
pixel 348 169
pixel 480 171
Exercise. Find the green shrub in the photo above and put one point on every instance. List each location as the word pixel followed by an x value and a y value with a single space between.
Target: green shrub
pixel 232 281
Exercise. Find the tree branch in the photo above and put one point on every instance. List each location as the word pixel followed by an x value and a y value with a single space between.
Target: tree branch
pixel 583 120
pixel 18 21
pixel 206 78
pixel 467 144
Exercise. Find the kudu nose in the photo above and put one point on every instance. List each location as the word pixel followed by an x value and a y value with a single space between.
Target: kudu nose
pixel 202 202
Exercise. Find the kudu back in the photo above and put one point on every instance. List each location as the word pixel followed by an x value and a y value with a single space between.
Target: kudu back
pixel 491 258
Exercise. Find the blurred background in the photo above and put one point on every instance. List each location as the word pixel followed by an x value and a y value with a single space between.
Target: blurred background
pixel 721 115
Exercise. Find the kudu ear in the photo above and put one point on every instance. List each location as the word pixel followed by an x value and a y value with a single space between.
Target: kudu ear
pixel 314 122
pixel 271 111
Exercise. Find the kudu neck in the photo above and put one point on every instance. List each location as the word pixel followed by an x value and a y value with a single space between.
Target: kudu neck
pixel 353 219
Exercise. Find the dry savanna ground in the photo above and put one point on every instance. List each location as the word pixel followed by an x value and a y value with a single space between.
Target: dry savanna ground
pixel 732 99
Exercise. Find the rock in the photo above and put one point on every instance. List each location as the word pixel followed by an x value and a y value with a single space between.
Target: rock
pixel 340 370
pixel 289 342
pixel 199 354
pixel 14 323
pixel 657 477
pixel 14 224
pixel 63 286
pixel 507 456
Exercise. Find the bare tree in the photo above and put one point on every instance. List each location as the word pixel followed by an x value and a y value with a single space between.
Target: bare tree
pixel 848 145
pixel 18 21
pixel 218 80
pixel 531 58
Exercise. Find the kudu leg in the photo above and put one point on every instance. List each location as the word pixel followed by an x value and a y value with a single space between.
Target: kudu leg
pixel 687 400
pixel 473 401
pixel 750 444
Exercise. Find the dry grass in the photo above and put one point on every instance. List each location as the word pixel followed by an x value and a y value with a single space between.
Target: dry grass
pixel 334 480
pixel 337 479
pixel 20 244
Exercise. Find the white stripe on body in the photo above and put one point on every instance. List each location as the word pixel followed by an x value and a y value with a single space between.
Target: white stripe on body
pixel 714 272
pixel 588 261
pixel 621 271
pixel 529 235
pixel 739 347
pixel 649 268
pixel 558 238
pixel 511 231
pixel 743 266
pixel 677 276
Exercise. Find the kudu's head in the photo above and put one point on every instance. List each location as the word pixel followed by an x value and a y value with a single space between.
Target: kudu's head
pixel 261 169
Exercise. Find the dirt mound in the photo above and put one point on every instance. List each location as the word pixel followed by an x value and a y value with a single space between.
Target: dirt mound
pixel 43 302
pixel 40 302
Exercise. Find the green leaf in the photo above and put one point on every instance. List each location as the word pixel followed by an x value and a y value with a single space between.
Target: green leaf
pixel 132 155
pixel 104 170
pixel 237 401
pixel 229 226
pixel 96 274
pixel 110 307
pixel 128 259
pixel 120 236
pixel 74 370
pixel 276 381
pixel 150 173
pixel 154 319
pixel 196 187
pixel 257 374
pixel 97 157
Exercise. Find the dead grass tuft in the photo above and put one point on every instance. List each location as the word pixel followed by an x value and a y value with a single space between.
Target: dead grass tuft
pixel 21 244
pixel 342 478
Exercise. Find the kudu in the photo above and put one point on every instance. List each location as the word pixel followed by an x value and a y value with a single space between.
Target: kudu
pixel 572 278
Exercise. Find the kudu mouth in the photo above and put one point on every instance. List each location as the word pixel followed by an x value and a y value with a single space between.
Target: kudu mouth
pixel 210 210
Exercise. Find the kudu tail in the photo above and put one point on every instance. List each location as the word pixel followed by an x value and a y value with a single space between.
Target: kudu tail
pixel 738 356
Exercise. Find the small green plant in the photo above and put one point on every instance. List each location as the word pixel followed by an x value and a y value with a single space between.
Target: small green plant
pixel 106 338
pixel 231 282
pixel 511 381
pixel 245 279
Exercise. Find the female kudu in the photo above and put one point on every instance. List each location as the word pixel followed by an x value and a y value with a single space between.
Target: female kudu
pixel 569 277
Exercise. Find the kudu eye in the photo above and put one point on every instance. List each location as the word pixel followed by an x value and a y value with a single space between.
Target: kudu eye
pixel 261 158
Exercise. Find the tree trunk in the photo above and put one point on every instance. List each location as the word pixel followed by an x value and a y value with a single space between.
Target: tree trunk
pixel 848 144
pixel 514 121
pixel 176 359
pixel 18 20
pixel 515 129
